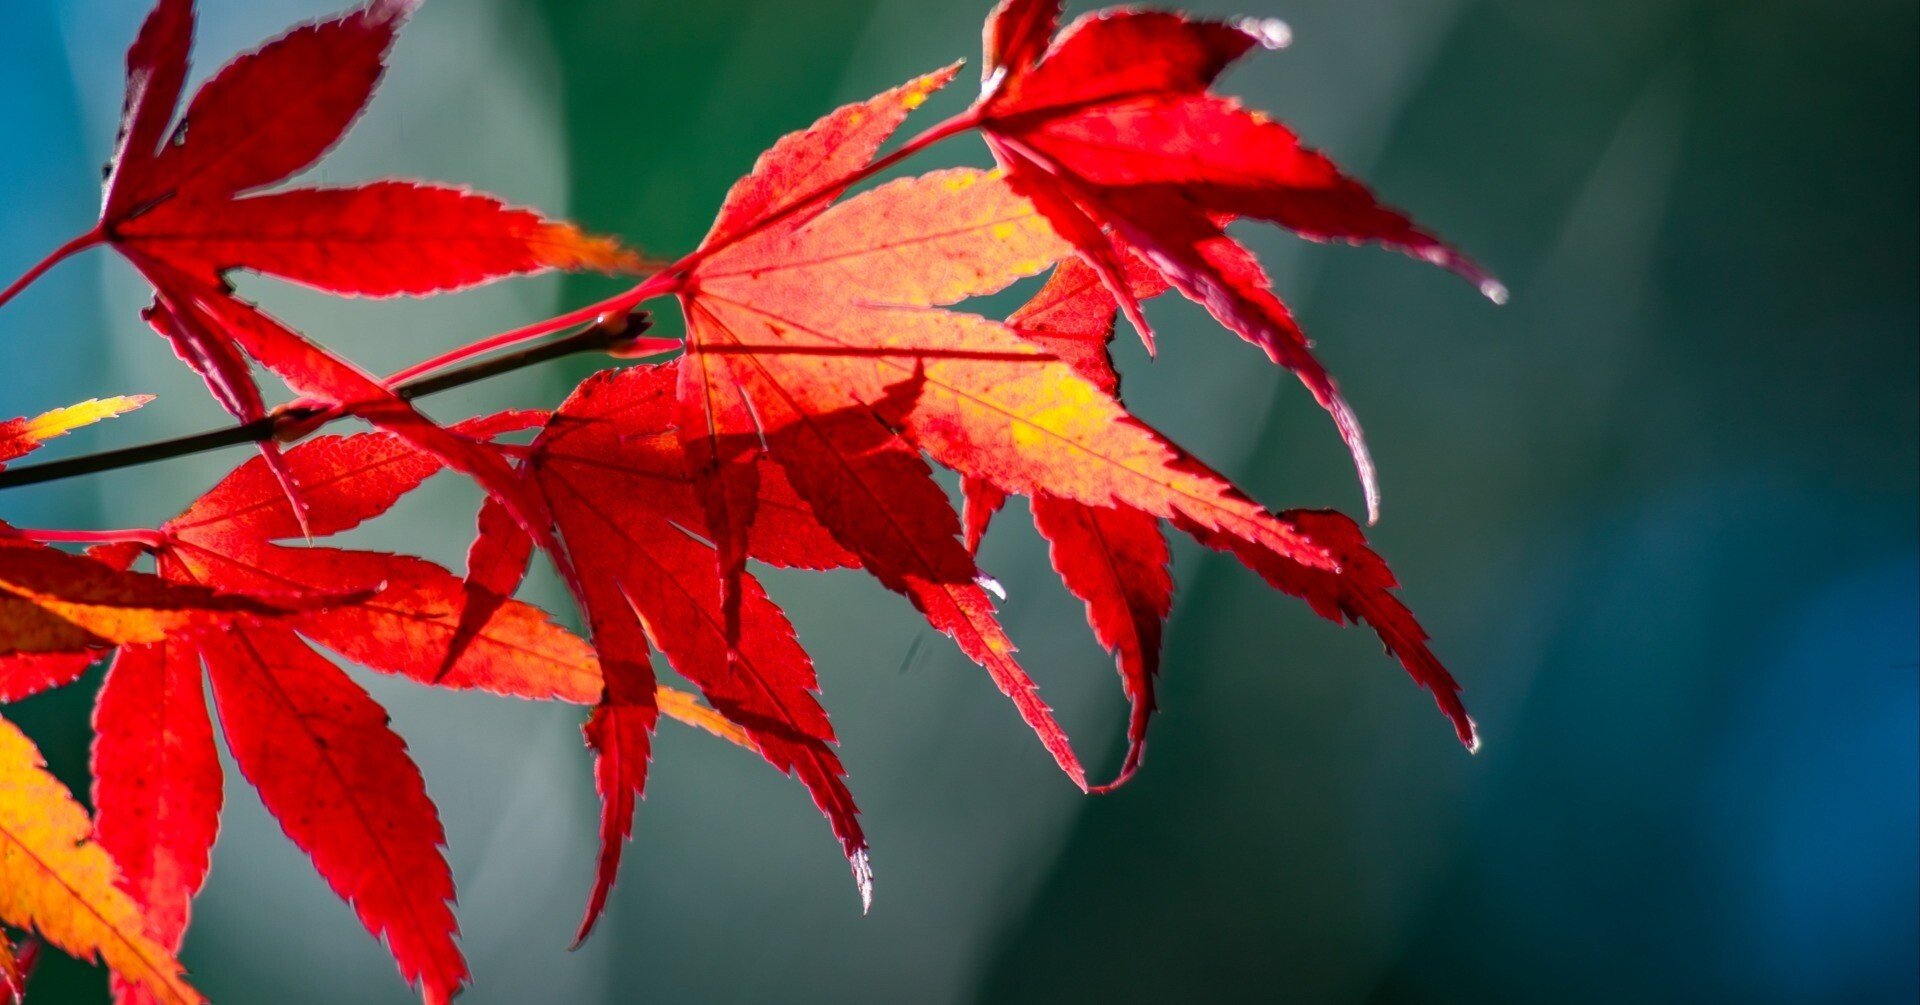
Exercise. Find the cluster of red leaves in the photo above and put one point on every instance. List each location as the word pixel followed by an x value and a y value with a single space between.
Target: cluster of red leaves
pixel 825 366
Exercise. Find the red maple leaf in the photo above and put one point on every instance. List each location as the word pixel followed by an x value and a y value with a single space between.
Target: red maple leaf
pixel 312 741
pixel 1114 133
pixel 801 321
pixel 182 204
pixel 823 335
pixel 1114 559
pixel 819 340
pixel 615 475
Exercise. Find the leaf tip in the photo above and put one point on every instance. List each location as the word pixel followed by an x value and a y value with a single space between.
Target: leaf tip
pixel 1349 426
pixel 1464 267
pixel 916 93
pixel 568 248
pixel 580 934
pixel 862 864
pixel 393 11
pixel 1270 32
pixel 991 585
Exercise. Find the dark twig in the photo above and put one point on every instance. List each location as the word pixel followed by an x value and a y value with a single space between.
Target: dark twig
pixel 604 337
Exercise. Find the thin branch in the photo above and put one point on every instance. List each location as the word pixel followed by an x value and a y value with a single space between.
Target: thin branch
pixel 600 337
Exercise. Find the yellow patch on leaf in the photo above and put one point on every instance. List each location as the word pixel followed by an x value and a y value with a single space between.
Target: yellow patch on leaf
pixel 687 710
pixel 55 880
pixel 19 437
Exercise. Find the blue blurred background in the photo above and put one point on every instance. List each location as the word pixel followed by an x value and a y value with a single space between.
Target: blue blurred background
pixel 1659 513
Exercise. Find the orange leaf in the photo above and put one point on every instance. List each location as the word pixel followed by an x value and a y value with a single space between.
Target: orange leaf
pixel 53 602
pixel 55 880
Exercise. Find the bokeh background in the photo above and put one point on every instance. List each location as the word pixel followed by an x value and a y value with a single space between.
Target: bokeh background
pixel 1660 514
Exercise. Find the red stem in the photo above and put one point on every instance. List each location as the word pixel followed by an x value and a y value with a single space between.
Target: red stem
pixel 932 135
pixel 658 284
pixel 669 280
pixel 87 240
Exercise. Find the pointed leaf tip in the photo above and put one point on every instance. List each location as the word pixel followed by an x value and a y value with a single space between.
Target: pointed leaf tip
pixel 1356 440
pixel 862 864
pixel 1271 32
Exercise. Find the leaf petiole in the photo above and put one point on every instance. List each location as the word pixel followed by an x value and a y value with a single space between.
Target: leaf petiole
pixel 670 279
pixel 98 235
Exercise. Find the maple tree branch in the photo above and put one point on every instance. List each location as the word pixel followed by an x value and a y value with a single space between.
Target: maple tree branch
pixel 60 254
pixel 600 337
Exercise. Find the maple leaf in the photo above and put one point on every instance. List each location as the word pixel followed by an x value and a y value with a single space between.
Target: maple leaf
pixel 617 479
pixel 157 786
pixel 56 880
pixel 180 206
pixel 823 335
pixel 1113 132
pixel 186 199
pixel 793 322
pixel 312 741
pixel 1114 559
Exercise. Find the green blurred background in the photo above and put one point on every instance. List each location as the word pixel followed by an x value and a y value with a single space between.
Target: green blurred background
pixel 1659 513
